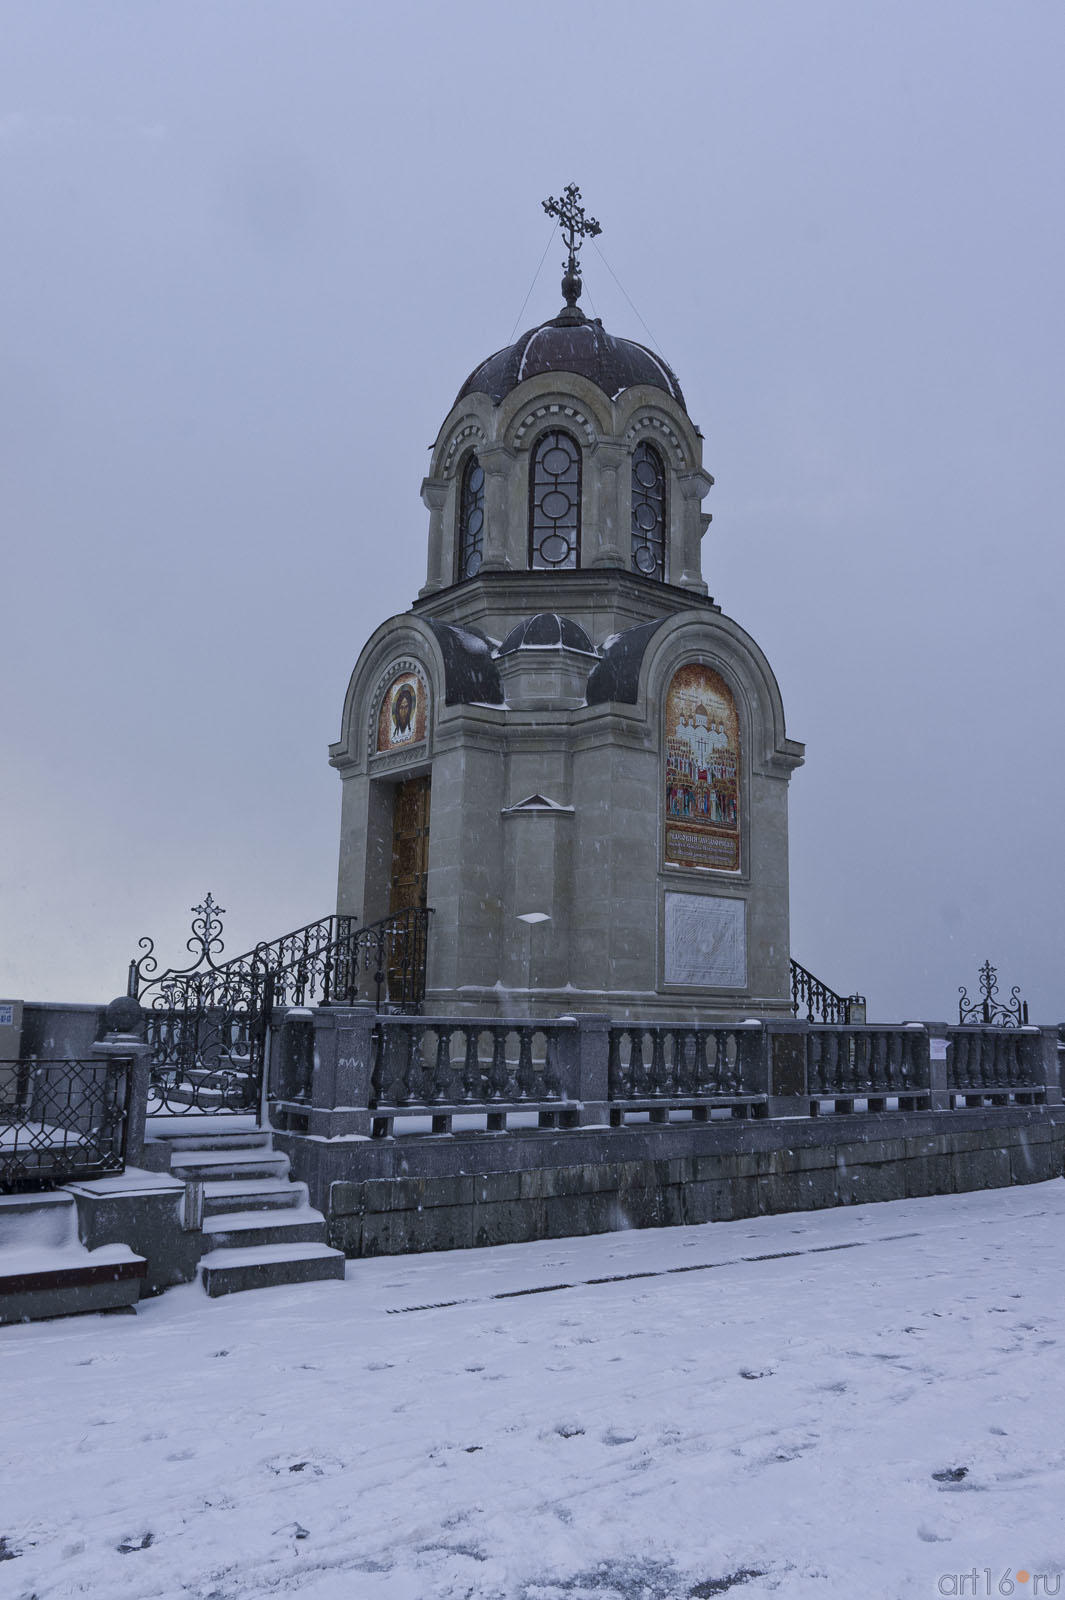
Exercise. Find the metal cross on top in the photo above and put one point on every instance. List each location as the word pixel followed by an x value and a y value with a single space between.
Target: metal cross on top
pixel 576 227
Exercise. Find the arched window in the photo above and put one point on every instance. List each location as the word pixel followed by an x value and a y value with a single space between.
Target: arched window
pixel 648 513
pixel 555 503
pixel 471 521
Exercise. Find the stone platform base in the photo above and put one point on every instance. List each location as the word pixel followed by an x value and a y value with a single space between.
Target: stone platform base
pixel 387 1197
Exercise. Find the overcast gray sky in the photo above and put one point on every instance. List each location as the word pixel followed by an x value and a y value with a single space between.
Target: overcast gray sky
pixel 251 251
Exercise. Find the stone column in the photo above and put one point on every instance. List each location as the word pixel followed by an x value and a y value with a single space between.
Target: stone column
pixel 686 562
pixel 122 1046
pixel 938 1049
pixel 603 473
pixel 593 1068
pixel 1053 1052
pixel 343 1065
pixel 434 497
pixel 506 532
pixel 784 1066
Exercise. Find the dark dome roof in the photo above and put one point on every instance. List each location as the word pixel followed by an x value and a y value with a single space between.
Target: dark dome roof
pixel 563 345
pixel 546 631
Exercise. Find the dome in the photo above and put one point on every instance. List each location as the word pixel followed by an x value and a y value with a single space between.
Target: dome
pixel 566 345
pixel 547 631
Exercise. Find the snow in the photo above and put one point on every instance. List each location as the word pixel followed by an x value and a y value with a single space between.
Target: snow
pixel 862 1402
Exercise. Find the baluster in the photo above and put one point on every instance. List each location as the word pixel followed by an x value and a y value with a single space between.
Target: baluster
pixel 411 1067
pixel 815 1064
pixel 684 1060
pixel 499 1075
pixel 658 1085
pixel 526 1071
pixel 641 1087
pixel 441 1086
pixel 900 1063
pixel 552 1081
pixel 987 1061
pixel 830 1064
pixel 615 1081
pixel 732 1062
pixel 700 1071
pixel 472 1088
pixel 377 1067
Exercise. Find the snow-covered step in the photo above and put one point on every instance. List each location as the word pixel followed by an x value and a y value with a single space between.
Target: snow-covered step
pixel 225 1139
pixel 252 1194
pixel 209 1165
pixel 267 1266
pixel 45 1270
pixel 37 1219
pixel 237 1230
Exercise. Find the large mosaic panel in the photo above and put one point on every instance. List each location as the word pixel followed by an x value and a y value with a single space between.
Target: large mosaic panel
pixel 702 772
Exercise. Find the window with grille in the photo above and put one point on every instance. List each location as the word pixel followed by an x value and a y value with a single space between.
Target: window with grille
pixel 648 513
pixel 555 503
pixel 471 520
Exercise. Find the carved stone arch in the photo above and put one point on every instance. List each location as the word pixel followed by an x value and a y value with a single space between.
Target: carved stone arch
pixel 466 435
pixel 401 643
pixel 659 431
pixel 541 418
pixel 727 648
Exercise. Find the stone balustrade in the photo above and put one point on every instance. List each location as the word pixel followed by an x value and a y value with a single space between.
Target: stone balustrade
pixel 380 1075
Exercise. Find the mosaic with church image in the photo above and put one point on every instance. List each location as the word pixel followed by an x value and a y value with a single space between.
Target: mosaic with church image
pixel 702 772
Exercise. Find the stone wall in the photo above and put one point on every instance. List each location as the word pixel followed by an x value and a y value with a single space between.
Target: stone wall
pixel 395 1196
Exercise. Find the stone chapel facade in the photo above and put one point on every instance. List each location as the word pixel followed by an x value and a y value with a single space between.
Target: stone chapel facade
pixel 564 747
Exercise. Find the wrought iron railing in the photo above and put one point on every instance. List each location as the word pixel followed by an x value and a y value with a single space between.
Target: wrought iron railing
pixel 207 1024
pixel 62 1120
pixel 989 1009
pixel 822 1003
pixel 660 1061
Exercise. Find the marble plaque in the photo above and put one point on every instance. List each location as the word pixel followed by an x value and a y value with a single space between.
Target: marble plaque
pixel 706 941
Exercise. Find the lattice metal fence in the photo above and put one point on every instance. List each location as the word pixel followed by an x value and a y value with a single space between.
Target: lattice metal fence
pixel 61 1120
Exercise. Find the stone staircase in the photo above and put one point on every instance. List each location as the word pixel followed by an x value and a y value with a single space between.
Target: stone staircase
pixel 258 1225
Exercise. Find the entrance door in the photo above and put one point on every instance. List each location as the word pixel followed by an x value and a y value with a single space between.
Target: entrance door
pixel 405 956
pixel 410 845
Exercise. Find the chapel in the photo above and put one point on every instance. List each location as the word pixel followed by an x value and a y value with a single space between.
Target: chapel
pixel 565 748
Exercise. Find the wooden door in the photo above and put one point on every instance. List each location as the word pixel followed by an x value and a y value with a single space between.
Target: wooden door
pixel 410 844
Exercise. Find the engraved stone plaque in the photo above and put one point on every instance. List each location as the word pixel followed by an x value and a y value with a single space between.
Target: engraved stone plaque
pixel 706 941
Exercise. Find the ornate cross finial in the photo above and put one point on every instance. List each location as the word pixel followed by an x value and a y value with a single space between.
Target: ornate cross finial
pixel 576 227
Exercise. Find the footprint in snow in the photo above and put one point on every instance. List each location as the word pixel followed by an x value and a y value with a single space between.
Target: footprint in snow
pixel 615 1436
pixel 128 1546
pixel 749 1372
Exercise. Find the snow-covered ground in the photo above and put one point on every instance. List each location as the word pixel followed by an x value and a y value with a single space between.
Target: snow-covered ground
pixel 865 1402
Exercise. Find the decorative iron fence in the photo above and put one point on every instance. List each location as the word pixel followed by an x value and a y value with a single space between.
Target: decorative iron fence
pixel 872 1064
pixel 822 1003
pixel 989 1010
pixel 61 1121
pixel 995 1063
pixel 207 1024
